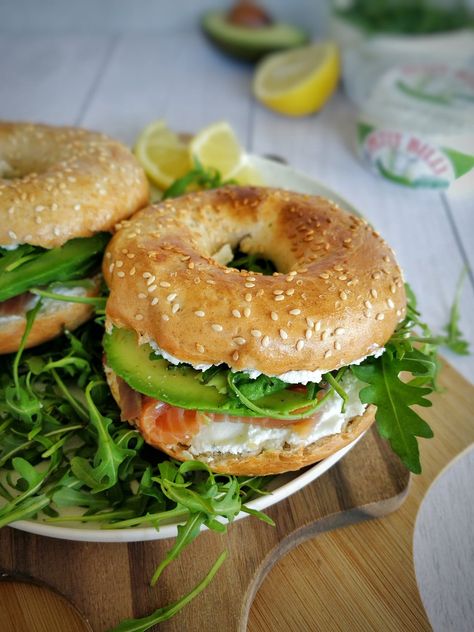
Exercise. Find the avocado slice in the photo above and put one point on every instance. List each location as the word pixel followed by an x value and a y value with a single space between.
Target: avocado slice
pixel 180 385
pixel 250 43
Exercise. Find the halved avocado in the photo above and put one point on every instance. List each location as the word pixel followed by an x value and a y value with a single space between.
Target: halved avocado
pixel 180 386
pixel 250 43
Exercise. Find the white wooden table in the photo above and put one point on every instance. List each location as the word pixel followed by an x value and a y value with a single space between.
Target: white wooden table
pixel 119 83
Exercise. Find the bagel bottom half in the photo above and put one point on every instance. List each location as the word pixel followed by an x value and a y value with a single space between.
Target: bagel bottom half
pixel 266 462
pixel 53 318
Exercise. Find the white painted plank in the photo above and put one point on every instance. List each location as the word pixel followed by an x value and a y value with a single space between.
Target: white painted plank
pixel 48 78
pixel 413 222
pixel 460 210
pixel 178 77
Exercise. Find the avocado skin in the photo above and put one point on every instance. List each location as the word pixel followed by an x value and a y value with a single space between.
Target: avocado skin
pixel 179 385
pixel 250 44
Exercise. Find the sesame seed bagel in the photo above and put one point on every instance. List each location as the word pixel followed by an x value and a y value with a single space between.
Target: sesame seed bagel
pixel 57 183
pixel 337 296
pixel 52 319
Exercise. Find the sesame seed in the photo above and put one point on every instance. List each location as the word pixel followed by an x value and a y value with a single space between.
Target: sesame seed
pixel 199 347
pixel 239 340
pixel 265 341
pixel 328 354
pixel 132 271
pixel 317 327
pixel 380 316
pixel 292 273
pixel 250 285
pixel 386 258
pixel 308 334
pixel 280 297
pixel 326 333
pixel 295 312
pixel 337 346
pixel 324 275
pixel 393 288
pixel 154 301
pixel 366 313
pixel 235 356
pixel 290 292
pixel 141 295
pixel 248 297
pixel 277 292
pixel 111 267
pixel 165 316
pixel 256 333
pixel 121 274
pixel 151 279
pixel 299 345
pixel 274 316
pixel 170 298
pixel 283 334
pixel 374 292
pixel 152 288
pixel 217 327
pixel 343 295
pixel 339 331
pixel 11 234
pixel 146 275
pixel 247 312
pixel 175 308
pixel 368 304
pixel 165 284
pixel 139 316
pixel 390 303
pixel 236 313
pixel 376 275
pixel 310 322
pixel 200 313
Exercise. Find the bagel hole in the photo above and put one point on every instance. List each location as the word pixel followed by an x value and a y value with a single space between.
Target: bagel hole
pixel 252 262
pixel 7 171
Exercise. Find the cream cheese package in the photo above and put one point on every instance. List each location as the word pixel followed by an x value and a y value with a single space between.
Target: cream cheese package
pixel 416 126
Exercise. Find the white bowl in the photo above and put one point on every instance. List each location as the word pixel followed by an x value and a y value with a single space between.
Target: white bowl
pixel 274 174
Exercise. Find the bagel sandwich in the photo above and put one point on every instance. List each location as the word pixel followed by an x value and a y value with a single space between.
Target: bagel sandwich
pixel 62 190
pixel 245 371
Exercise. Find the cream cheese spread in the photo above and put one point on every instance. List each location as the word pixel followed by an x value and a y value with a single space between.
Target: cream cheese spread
pixel 236 437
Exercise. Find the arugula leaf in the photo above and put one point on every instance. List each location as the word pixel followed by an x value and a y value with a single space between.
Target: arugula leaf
pixel 454 339
pixel 165 613
pixel 396 421
pixel 198 178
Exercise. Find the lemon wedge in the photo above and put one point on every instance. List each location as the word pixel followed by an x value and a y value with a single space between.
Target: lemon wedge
pixel 248 175
pixel 217 146
pixel 162 153
pixel 300 81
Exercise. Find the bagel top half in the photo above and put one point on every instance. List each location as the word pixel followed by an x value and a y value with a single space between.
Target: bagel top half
pixel 57 183
pixel 337 296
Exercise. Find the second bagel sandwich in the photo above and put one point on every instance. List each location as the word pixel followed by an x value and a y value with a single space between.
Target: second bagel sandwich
pixel 247 371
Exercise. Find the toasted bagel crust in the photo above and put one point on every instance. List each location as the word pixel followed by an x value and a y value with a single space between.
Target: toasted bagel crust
pixel 267 461
pixel 57 183
pixel 338 296
pixel 49 323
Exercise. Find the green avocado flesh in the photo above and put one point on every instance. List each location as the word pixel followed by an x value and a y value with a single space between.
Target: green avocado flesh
pixel 250 43
pixel 29 266
pixel 180 385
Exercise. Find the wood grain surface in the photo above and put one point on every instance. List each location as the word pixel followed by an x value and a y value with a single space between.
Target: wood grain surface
pixel 357 577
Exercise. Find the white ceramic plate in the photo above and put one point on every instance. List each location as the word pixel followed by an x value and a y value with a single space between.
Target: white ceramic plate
pixel 274 174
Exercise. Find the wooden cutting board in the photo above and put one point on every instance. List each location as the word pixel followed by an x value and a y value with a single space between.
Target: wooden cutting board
pixel 108 582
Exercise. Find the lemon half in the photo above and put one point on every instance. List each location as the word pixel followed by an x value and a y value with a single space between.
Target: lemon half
pixel 217 146
pixel 162 153
pixel 300 81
